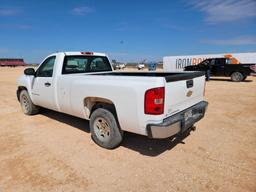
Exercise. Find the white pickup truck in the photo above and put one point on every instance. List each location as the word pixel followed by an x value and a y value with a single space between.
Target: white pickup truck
pixel 83 84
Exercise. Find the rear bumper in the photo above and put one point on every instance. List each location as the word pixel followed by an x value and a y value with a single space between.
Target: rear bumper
pixel 177 123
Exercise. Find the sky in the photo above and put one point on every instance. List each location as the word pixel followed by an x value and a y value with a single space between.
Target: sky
pixel 127 30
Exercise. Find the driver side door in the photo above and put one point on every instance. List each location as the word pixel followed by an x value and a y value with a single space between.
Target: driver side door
pixel 220 66
pixel 43 85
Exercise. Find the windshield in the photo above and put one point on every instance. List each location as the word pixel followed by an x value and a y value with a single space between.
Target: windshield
pixel 85 64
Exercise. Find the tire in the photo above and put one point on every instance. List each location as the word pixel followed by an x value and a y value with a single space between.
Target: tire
pixel 237 76
pixel 26 104
pixel 105 130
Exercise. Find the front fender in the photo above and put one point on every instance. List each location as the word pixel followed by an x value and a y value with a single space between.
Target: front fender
pixel 25 82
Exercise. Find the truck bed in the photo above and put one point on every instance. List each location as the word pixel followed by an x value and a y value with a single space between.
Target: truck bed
pixel 169 77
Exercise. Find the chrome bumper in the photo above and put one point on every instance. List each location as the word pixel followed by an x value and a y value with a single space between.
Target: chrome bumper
pixel 177 123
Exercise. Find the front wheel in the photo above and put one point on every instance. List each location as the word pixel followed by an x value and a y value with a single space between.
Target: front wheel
pixel 104 129
pixel 26 104
pixel 237 76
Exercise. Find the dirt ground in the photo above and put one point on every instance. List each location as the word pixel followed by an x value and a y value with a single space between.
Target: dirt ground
pixel 54 152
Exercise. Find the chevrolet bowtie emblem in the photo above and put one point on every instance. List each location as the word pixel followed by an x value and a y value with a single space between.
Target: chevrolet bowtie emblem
pixel 189 93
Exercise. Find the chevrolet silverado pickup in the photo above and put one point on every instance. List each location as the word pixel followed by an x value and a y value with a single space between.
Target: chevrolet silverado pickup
pixel 83 84
pixel 220 67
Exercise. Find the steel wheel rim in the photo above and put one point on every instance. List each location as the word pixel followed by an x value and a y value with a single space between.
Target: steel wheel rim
pixel 101 129
pixel 237 76
pixel 25 103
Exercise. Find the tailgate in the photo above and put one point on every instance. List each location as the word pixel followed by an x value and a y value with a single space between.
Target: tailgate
pixel 184 93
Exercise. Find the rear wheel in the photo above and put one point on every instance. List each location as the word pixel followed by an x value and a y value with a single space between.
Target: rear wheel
pixel 104 129
pixel 237 76
pixel 26 104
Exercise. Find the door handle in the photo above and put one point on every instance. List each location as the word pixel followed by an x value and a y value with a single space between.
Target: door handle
pixel 47 84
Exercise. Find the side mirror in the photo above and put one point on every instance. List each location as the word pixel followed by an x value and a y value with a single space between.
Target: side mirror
pixel 29 71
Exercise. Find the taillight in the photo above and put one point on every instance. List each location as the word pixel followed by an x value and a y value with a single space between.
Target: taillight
pixel 154 101
pixel 253 67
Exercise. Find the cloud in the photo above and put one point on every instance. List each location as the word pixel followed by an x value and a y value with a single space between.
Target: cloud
pixel 8 12
pixel 219 11
pixel 84 10
pixel 245 40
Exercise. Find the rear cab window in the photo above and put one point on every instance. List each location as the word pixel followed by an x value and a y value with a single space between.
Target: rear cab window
pixel 85 64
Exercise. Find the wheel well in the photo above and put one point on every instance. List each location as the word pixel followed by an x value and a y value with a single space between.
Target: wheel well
pixel 20 88
pixel 93 103
pixel 235 72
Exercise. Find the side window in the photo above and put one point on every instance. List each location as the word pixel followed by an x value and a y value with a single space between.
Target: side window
pixel 228 61
pixel 220 62
pixel 46 69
